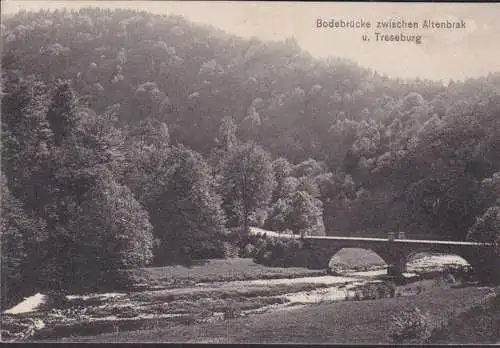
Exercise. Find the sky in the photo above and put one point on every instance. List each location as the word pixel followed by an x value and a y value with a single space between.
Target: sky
pixel 443 54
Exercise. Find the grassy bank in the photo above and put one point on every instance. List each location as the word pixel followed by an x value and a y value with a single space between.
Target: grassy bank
pixel 480 324
pixel 244 269
pixel 214 271
pixel 342 322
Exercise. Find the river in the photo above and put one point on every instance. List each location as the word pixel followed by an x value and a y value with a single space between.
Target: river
pixel 102 312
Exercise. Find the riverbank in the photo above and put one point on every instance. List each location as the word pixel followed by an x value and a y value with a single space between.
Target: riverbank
pixel 207 271
pixel 164 296
pixel 479 324
pixel 174 297
pixel 358 322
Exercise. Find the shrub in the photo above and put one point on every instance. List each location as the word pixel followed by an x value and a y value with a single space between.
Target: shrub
pixel 277 252
pixel 249 251
pixel 231 310
pixel 411 327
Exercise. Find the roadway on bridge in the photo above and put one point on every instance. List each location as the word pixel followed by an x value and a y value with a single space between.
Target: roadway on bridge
pixel 256 230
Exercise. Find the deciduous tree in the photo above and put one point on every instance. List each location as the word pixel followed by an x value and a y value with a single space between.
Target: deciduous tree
pixel 248 182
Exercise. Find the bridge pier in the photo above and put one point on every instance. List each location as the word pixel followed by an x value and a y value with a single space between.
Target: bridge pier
pixel 396 268
pixel 395 258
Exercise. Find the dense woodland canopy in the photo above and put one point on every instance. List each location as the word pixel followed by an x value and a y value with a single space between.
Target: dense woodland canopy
pixel 130 138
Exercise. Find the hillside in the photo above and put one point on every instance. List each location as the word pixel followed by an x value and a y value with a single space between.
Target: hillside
pixel 192 76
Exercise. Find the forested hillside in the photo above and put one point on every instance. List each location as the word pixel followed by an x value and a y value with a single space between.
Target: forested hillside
pixel 129 137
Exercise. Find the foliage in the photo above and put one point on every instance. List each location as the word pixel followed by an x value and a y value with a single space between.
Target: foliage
pixel 487 227
pixel 185 209
pixel 299 213
pixel 306 215
pixel 18 237
pixel 277 252
pixel 111 231
pixel 248 182
pixel 323 114
pixel 91 219
pixel 412 326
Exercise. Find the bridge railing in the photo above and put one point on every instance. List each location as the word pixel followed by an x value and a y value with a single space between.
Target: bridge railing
pixel 391 236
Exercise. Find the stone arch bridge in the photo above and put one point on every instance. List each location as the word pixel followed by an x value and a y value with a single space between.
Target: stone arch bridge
pixel 397 252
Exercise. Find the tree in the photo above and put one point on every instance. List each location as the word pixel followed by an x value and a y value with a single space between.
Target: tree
pixel 489 191
pixel 299 212
pixel 248 182
pixel 306 215
pixel 65 179
pixel 225 142
pixel 278 213
pixel 103 138
pixel 17 236
pixel 110 232
pixel 26 138
pixel 487 227
pixel 185 209
pixel 26 149
pixel 226 135
pixel 147 150
pixel 310 185
pixel 92 219
pixel 309 168
pixel 282 169
pixel 342 136
pixel 61 114
pixel 150 101
pixel 337 192
pixel 288 186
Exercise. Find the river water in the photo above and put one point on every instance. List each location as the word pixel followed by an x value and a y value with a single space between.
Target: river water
pixel 346 287
pixel 291 294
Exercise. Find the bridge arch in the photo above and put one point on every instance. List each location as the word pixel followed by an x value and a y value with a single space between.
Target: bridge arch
pixel 412 253
pixel 410 257
pixel 320 257
pixel 350 256
pixel 482 262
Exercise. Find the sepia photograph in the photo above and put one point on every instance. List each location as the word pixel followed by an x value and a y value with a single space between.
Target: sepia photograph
pixel 238 172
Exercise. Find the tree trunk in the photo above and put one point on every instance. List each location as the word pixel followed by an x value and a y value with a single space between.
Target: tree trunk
pixel 245 220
